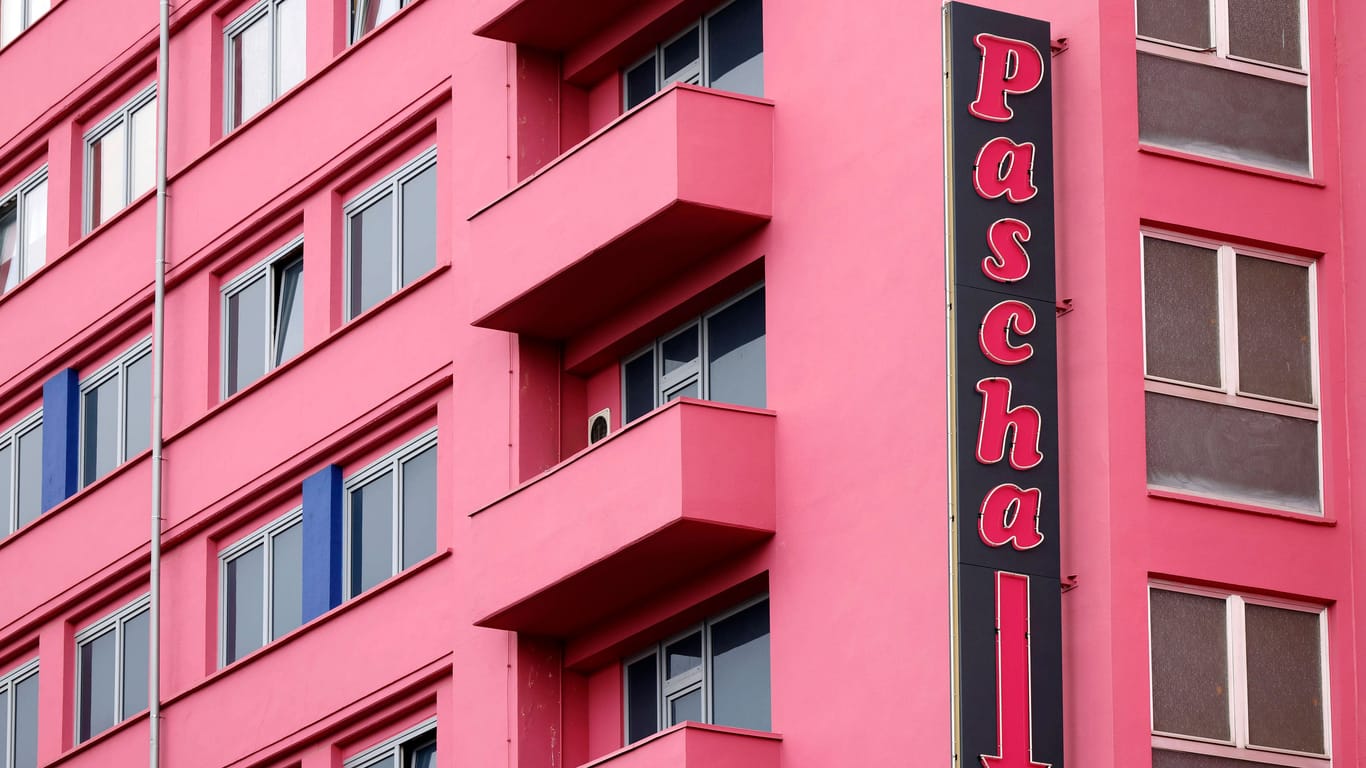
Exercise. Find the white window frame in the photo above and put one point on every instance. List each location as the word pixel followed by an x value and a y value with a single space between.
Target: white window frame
pixel 356 10
pixel 416 737
pixel 114 622
pixel 703 66
pixel 1230 393
pixel 267 267
pixel 391 184
pixel 390 462
pixel 265 537
pixel 264 9
pixel 121 116
pixel 27 18
pixel 22 260
pixel 10 437
pixel 116 368
pixel 1239 748
pixel 8 682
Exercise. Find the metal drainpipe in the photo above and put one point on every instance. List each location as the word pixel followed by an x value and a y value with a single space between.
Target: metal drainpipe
pixel 158 375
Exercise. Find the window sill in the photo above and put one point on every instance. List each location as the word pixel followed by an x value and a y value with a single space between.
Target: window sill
pixel 1238 506
pixel 1228 165
pixel 1244 754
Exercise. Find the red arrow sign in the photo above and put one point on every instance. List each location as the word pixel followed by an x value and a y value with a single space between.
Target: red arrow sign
pixel 1013 706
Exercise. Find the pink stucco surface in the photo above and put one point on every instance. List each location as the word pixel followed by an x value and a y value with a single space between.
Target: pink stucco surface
pixel 832 500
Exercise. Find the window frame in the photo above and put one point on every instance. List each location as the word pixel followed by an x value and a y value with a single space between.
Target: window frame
pixel 267 9
pixel 264 536
pixel 270 267
pixel 1228 394
pixel 657 52
pixel 1238 746
pixel 10 437
pixel 391 462
pixel 123 116
pixel 391 184
pixel 396 746
pixel 355 12
pixel 115 622
pixel 8 682
pixel 116 368
pixel 19 194
pixel 26 19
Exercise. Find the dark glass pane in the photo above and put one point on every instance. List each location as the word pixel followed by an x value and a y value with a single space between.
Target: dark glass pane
pixel 6 485
pixel 26 723
pixel 1284 679
pixel 1190 664
pixel 135 664
pixel 138 426
pixel 372 252
pixel 422 756
pixel 286 580
pixel 419 225
pixel 1223 114
pixel 1163 758
pixel 686 707
pixel 4 730
pixel 642 699
pixel 95 695
pixel 638 379
pixel 248 335
pixel 1274 356
pixel 419 507
pixel 683 58
pixel 683 655
pixel 372 533
pixel 640 82
pixel 1232 453
pixel 740 669
pixel 1178 21
pixel 692 390
pixel 736 353
pixel 1265 30
pixel 1181 311
pixel 289 309
pixel 735 48
pixel 243 590
pixel 30 475
pixel 679 350
pixel 100 430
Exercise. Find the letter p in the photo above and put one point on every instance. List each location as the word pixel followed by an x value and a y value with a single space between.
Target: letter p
pixel 1008 66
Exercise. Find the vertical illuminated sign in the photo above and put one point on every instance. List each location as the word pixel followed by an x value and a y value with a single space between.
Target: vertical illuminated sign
pixel 1003 391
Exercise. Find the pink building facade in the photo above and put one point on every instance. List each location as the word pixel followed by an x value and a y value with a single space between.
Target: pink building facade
pixel 476 449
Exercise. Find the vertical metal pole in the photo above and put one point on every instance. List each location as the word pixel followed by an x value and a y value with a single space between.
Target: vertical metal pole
pixel 158 375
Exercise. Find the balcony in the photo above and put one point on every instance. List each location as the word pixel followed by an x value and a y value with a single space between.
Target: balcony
pixel 693 745
pixel 661 501
pixel 660 190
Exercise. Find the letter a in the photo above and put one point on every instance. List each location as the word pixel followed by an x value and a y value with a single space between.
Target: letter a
pixel 1010 515
pixel 998 418
pixel 1009 66
pixel 1005 168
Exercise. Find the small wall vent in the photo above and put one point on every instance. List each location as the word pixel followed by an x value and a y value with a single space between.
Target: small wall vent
pixel 599 425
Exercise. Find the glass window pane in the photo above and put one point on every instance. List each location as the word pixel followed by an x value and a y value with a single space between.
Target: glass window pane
pixel 372 250
pixel 422 756
pixel 11 270
pixel 35 229
pixel 740 669
pixel 243 590
pixel 26 723
pixel 286 580
pixel 371 12
pixel 1181 311
pixel 642 699
pixel 100 430
pixel 144 149
pixel 37 8
pixel 683 655
pixel 6 486
pixel 1223 114
pixel 291 42
pixel 248 335
pixel 30 475
pixel 686 707
pixel 289 310
pixel 735 48
pixel 4 730
pixel 109 168
pixel 640 82
pixel 95 695
pixel 736 351
pixel 691 389
pixel 680 350
pixel 135 664
pixel 419 225
pixel 638 380
pixel 1273 329
pixel 372 533
pixel 11 20
pixel 1178 21
pixel 138 428
pixel 1232 453
pixel 251 75
pixel 1189 664
pixel 419 507
pixel 1265 30
pixel 683 58
pixel 1284 679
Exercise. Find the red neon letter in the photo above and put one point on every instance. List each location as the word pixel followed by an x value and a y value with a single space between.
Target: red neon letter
pixel 1008 261
pixel 1014 743
pixel 1005 168
pixel 1010 515
pixel 994 336
pixel 998 418
pixel 1008 66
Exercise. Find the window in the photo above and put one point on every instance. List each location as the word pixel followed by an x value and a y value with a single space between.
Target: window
pixel 120 158
pixel 264 50
pixel 261 587
pixel 1231 402
pixel 116 412
pixel 1226 78
pixel 717 672
pixel 414 748
pixel 391 234
pixel 1236 678
pixel 23 230
pixel 21 472
pixel 724 50
pixel 18 15
pixel 111 670
pixel 719 356
pixel 263 317
pixel 19 713
pixel 368 14
pixel 391 514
